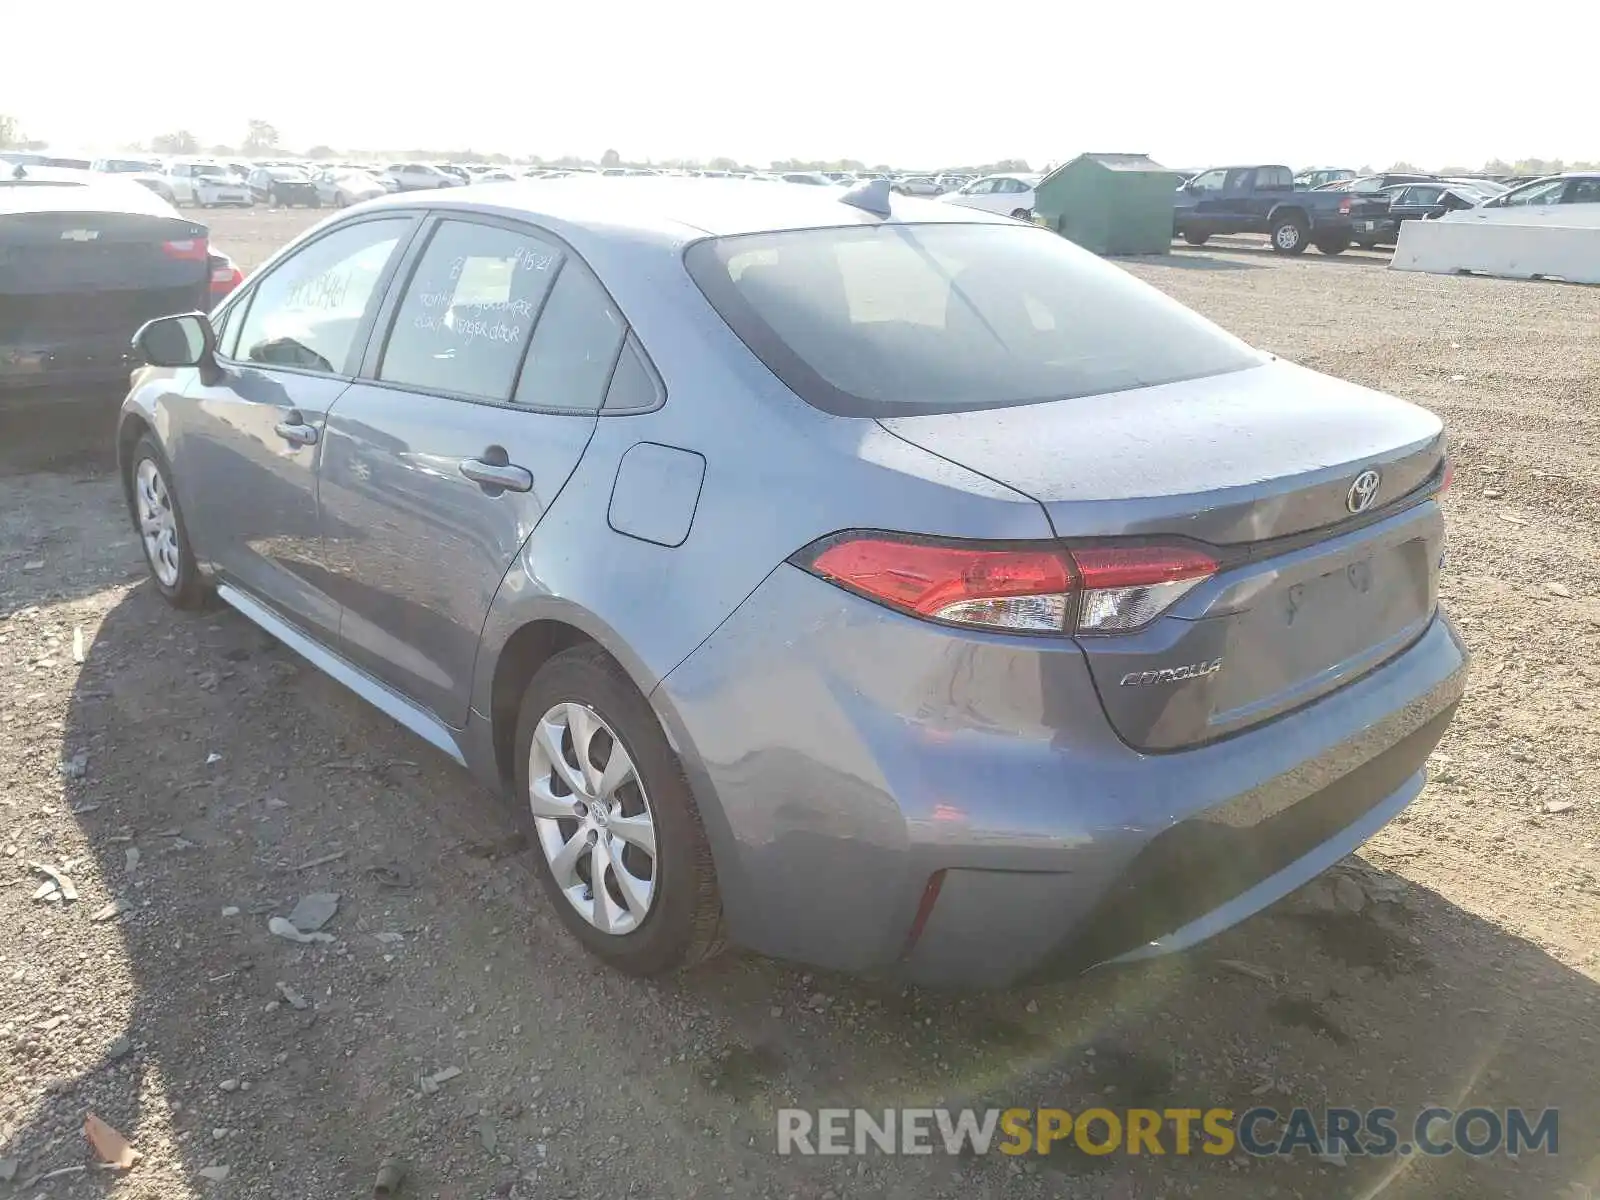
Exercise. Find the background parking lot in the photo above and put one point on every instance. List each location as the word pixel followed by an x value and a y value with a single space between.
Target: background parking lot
pixel 195 770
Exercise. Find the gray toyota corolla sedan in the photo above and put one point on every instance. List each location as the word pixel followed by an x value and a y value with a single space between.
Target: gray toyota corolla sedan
pixel 861 580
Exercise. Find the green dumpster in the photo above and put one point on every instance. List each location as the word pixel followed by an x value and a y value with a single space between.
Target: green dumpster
pixel 1110 203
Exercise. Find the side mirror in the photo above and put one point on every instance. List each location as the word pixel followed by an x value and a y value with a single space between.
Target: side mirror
pixel 185 340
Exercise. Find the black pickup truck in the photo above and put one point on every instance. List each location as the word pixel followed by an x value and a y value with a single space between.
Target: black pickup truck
pixel 1263 199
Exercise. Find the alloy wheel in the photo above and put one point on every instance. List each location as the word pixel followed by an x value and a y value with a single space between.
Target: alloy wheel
pixel 593 818
pixel 158 524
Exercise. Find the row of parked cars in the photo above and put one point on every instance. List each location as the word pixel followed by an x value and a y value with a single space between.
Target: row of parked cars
pixel 1333 209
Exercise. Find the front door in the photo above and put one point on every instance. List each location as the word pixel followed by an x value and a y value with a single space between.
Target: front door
pixel 250 441
pixel 1208 189
pixel 442 459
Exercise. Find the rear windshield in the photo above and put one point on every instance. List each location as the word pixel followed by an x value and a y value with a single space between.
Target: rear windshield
pixel 892 320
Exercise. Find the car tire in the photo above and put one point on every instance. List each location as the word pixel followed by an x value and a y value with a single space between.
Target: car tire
pixel 1367 245
pixel 167 555
pixel 1197 239
pixel 1333 245
pixel 1289 235
pixel 682 923
pixel 1021 214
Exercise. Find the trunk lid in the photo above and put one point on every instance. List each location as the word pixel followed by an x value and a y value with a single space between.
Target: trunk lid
pixel 72 264
pixel 1261 466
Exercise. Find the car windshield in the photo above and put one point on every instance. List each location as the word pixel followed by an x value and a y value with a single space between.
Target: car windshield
pixel 891 319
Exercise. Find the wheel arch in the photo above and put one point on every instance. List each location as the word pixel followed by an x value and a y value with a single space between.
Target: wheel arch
pixel 130 428
pixel 528 648
pixel 1289 208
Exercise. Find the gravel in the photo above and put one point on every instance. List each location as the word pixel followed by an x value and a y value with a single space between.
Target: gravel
pixel 1456 961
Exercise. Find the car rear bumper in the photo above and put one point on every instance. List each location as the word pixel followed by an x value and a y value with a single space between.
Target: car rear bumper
pixel 86 359
pixel 884 795
pixel 235 195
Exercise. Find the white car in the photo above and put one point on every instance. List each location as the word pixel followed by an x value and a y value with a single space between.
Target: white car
pixel 1009 195
pixel 206 184
pixel 1570 199
pixel 420 177
pixel 810 178
pixel 340 186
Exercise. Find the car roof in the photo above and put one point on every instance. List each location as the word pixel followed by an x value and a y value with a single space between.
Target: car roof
pixel 676 209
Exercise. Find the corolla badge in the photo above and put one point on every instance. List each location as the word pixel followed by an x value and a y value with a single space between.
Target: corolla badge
pixel 1363 491
pixel 1171 674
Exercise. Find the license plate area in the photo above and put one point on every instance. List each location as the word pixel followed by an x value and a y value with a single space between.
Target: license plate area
pixel 1298 635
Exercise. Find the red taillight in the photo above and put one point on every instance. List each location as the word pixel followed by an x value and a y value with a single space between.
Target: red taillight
pixel 1448 478
pixel 225 278
pixel 186 249
pixel 1029 589
pixel 1024 589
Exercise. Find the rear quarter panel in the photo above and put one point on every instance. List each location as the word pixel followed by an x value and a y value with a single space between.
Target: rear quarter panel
pixel 778 475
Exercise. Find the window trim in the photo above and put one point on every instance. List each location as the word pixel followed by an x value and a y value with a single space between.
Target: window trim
pixel 389 312
pixel 245 296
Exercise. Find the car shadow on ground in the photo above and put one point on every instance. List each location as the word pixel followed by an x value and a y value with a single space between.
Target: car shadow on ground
pixel 244 780
pixel 1352 257
pixel 1189 262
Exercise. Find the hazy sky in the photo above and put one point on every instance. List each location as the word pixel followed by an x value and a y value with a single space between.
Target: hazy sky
pixel 932 84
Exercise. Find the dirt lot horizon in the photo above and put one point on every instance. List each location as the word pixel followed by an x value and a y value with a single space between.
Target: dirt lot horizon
pixel 192 779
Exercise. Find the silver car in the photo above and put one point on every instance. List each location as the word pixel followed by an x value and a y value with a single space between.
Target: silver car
pixel 869 582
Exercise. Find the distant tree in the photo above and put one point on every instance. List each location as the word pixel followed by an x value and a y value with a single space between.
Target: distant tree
pixel 220 150
pixel 1455 171
pixel 261 138
pixel 1007 164
pixel 9 131
pixel 1540 166
pixel 1407 168
pixel 1497 166
pixel 611 159
pixel 181 142
pixel 1365 170
pixel 723 163
pixel 321 151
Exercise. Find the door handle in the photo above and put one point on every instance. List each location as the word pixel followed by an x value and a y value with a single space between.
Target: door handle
pixel 505 476
pixel 293 429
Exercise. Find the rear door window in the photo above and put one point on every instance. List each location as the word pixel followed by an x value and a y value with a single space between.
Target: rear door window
pixel 901 319
pixel 469 309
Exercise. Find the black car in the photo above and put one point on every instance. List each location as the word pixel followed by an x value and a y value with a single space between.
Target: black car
pixel 85 260
pixel 1414 202
pixel 284 186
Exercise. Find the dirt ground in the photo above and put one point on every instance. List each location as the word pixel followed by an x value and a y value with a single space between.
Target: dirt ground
pixel 201 779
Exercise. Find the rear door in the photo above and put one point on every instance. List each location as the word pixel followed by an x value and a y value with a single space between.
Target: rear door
pixel 441 461
pixel 1236 208
pixel 245 448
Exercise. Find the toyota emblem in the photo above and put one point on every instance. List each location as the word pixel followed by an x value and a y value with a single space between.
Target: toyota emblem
pixel 1363 491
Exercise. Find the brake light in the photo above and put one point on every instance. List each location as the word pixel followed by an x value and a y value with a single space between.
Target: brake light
pixel 186 249
pixel 225 277
pixel 1448 477
pixel 1026 588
